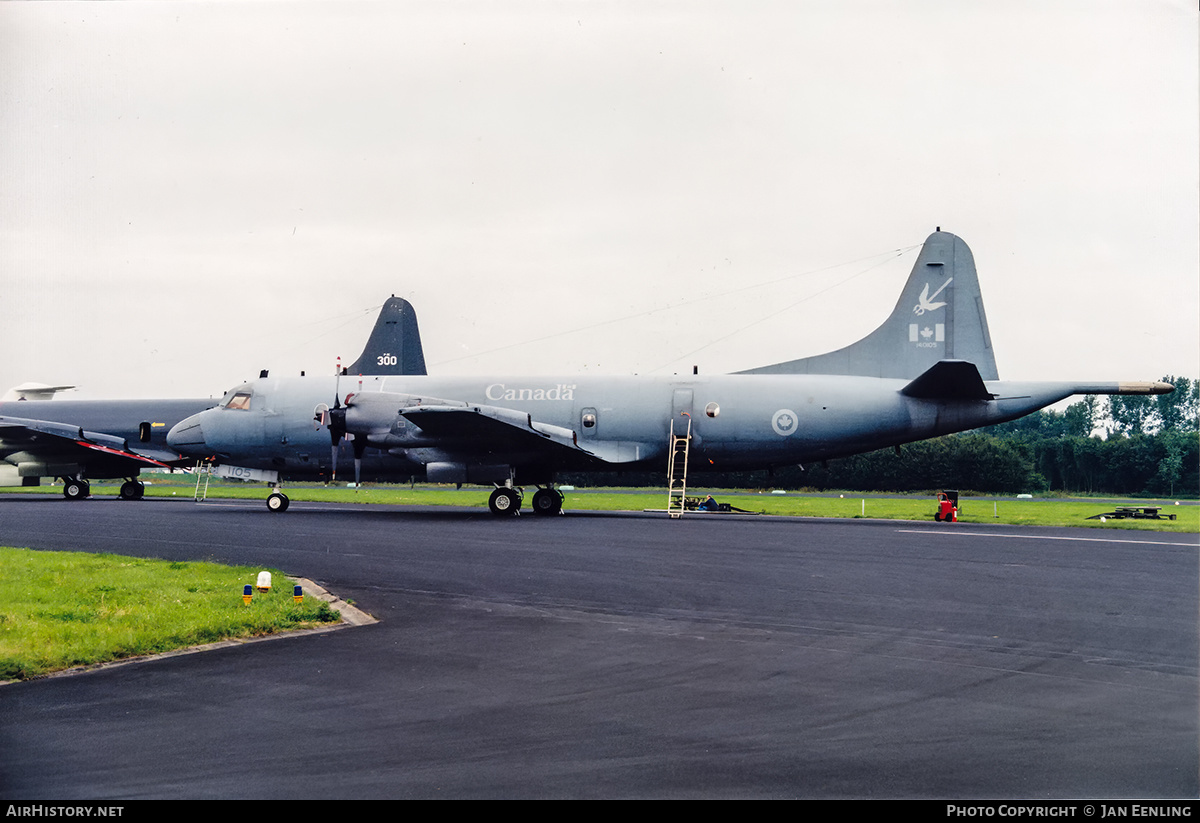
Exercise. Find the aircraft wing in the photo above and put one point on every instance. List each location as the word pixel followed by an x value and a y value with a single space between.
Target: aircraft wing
pixel 493 430
pixel 498 428
pixel 483 429
pixel 30 440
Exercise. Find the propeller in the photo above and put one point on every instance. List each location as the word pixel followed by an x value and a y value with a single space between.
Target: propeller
pixel 335 419
pixel 337 430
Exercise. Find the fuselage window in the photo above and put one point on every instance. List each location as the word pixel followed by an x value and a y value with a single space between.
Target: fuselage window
pixel 712 409
pixel 589 420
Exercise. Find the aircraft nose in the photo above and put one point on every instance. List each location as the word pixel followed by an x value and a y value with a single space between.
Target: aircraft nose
pixel 187 437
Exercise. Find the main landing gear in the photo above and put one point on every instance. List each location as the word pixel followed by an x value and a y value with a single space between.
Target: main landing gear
pixel 508 499
pixel 132 490
pixel 505 500
pixel 76 488
pixel 547 501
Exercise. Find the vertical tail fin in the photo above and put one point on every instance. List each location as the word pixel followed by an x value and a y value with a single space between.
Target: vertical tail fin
pixel 939 317
pixel 394 346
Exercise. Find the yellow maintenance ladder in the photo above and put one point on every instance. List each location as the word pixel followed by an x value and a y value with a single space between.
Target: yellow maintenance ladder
pixel 203 475
pixel 677 460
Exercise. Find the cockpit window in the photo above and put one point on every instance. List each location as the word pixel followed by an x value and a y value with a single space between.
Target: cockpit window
pixel 238 397
pixel 239 400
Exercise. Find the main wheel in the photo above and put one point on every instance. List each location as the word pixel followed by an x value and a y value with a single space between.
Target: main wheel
pixel 547 501
pixel 132 490
pixel 277 502
pixel 504 501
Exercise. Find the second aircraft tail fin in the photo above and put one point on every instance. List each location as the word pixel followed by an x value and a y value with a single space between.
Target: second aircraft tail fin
pixel 939 317
pixel 394 346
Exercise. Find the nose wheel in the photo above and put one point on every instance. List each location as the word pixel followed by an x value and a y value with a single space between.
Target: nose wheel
pixel 277 502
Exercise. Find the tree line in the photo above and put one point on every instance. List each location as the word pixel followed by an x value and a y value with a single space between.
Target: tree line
pixel 1121 444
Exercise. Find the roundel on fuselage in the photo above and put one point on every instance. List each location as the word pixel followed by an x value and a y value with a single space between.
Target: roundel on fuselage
pixel 784 422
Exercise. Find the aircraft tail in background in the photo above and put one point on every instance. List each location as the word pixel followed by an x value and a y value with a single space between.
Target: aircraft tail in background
pixel 394 346
pixel 33 391
pixel 939 317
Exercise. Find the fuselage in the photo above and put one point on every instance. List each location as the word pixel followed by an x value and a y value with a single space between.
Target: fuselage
pixel 737 422
pixel 140 425
pixel 138 421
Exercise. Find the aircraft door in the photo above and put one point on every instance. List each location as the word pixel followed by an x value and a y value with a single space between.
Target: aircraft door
pixel 681 408
pixel 273 429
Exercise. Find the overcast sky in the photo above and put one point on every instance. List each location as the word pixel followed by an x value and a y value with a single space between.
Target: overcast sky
pixel 192 191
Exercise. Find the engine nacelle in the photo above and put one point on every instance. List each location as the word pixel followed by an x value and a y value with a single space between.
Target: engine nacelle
pixel 450 472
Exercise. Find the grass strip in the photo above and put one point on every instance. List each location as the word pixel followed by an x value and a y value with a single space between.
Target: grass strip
pixel 65 609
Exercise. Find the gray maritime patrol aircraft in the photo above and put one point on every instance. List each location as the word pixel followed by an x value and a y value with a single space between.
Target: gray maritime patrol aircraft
pixel 82 440
pixel 928 370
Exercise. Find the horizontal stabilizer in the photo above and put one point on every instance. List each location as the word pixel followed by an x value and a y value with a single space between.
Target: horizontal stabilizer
pixel 949 380
pixel 33 391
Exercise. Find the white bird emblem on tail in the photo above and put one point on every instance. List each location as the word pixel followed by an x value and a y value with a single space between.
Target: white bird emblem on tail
pixel 924 305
